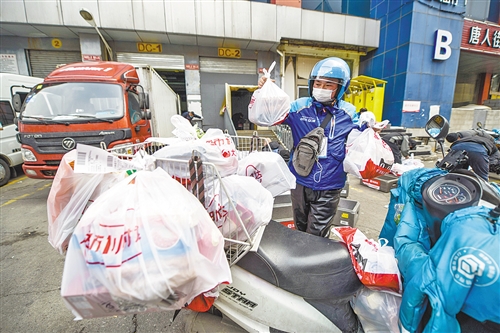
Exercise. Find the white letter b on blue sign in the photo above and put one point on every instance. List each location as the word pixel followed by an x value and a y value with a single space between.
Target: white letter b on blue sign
pixel 442 49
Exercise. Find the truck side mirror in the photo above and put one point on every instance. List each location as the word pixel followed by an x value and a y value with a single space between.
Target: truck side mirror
pixel 143 100
pixel 17 102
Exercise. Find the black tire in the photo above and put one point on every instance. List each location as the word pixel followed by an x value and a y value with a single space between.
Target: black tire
pixel 5 171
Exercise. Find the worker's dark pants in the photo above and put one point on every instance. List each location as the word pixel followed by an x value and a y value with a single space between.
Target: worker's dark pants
pixel 313 211
pixel 479 160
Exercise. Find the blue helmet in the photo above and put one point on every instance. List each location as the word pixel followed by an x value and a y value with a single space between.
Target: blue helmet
pixel 331 68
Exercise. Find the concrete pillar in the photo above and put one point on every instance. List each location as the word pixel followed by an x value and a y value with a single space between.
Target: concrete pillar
pixel 90 47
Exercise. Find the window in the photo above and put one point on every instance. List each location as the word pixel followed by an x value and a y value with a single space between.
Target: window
pixel 134 108
pixel 75 101
pixel 6 113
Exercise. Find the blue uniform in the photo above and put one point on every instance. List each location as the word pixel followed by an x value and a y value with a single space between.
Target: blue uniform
pixel 307 114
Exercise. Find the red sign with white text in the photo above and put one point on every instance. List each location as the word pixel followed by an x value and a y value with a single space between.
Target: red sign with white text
pixel 91 57
pixel 480 37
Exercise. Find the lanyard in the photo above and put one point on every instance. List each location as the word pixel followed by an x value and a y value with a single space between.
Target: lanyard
pixel 332 123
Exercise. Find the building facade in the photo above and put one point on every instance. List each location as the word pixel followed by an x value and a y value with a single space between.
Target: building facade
pixel 207 50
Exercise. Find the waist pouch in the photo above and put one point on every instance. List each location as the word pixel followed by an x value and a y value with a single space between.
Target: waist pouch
pixel 306 152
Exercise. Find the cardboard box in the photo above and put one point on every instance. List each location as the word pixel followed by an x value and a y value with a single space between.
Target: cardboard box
pixel 383 183
pixel 347 213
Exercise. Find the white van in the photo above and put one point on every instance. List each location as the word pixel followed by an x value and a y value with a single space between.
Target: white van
pixel 10 148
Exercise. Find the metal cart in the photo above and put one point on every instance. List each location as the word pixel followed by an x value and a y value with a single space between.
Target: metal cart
pixel 204 181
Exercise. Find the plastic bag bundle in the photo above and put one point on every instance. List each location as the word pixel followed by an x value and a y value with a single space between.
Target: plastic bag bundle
pixel 368 156
pixel 214 147
pixel 146 240
pixel 269 105
pixel 269 169
pixel 377 311
pixel 253 203
pixel 71 193
pixel 183 128
pixel 374 263
pixel 408 164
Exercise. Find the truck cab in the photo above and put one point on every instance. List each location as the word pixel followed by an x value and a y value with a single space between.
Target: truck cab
pixel 10 148
pixel 100 104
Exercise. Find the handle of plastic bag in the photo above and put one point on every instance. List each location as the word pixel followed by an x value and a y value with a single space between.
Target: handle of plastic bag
pixel 383 242
pixel 267 73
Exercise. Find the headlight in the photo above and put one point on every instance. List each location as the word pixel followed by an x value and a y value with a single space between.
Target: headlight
pixel 28 155
pixel 122 149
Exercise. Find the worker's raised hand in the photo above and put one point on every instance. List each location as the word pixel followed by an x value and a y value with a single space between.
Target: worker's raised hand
pixel 262 80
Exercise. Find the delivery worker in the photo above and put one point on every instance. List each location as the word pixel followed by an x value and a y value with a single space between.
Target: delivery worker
pixel 190 115
pixel 316 196
pixel 479 146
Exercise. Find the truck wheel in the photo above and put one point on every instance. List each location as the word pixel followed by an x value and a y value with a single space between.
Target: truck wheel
pixel 4 172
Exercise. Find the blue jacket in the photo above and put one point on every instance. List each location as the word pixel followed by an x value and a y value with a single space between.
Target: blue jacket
pixel 408 195
pixel 307 114
pixel 460 273
pixel 436 275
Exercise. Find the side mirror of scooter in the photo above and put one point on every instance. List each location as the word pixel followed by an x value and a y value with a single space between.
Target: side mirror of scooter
pixel 437 128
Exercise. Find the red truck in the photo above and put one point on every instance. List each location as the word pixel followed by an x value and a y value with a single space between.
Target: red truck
pixel 101 104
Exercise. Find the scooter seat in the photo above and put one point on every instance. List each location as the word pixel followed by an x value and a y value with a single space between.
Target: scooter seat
pixel 306 265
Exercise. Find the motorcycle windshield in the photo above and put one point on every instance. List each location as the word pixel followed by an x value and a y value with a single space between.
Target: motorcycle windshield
pixel 74 102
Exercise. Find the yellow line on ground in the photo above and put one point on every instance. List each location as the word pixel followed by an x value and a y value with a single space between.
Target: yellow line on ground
pixel 25 195
pixel 17 180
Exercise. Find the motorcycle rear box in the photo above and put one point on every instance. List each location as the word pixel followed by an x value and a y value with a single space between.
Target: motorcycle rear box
pixel 383 183
pixel 347 213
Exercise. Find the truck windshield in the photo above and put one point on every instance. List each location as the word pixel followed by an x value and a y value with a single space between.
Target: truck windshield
pixel 74 102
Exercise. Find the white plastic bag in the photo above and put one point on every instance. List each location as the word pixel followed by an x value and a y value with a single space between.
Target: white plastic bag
pixel 71 193
pixel 374 262
pixel 214 147
pixel 408 164
pixel 377 311
pixel 183 128
pixel 269 105
pixel 253 203
pixel 368 156
pixel 147 240
pixel 269 169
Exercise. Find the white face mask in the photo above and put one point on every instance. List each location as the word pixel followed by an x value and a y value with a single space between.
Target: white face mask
pixel 323 95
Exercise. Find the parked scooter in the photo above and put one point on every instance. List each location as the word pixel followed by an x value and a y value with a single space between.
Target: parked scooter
pixel 293 282
pixel 443 223
pixel 296 282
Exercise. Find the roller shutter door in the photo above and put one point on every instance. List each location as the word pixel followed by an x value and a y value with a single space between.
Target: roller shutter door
pixel 228 66
pixel 44 62
pixel 157 61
